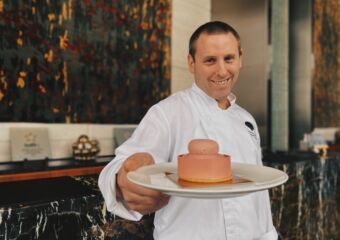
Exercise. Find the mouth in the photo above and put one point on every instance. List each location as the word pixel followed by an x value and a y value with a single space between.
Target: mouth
pixel 222 82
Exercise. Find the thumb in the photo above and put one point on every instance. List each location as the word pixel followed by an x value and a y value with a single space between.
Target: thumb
pixel 138 160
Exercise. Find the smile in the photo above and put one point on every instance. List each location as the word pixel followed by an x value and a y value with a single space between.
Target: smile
pixel 221 82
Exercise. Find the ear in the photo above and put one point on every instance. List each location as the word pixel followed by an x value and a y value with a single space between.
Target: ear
pixel 191 63
pixel 241 57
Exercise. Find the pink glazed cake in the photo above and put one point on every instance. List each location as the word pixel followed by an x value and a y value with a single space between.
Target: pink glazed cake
pixel 203 163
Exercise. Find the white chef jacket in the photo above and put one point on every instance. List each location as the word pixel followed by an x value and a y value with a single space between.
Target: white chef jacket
pixel 165 132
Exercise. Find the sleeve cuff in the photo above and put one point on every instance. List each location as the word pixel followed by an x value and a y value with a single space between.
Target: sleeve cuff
pixel 120 210
pixel 107 185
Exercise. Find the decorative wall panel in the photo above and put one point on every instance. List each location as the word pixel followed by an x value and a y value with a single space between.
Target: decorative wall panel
pixel 83 60
pixel 326 80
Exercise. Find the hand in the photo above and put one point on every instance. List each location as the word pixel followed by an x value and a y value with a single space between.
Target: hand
pixel 138 198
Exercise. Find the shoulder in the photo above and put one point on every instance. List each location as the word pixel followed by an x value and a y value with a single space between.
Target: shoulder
pixel 175 103
pixel 176 108
pixel 178 98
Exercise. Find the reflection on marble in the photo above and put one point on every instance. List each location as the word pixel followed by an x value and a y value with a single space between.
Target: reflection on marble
pixel 308 206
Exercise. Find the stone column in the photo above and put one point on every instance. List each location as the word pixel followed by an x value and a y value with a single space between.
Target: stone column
pixel 279 76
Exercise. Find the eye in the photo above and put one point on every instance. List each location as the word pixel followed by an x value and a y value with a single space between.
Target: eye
pixel 229 58
pixel 209 60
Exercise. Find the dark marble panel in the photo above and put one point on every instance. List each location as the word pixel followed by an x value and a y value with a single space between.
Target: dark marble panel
pixel 308 206
pixel 74 217
pixel 40 191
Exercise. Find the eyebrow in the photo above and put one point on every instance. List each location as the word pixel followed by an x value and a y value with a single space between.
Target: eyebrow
pixel 231 55
pixel 208 57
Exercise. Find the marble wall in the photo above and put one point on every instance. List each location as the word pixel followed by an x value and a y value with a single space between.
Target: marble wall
pixel 83 61
pixel 326 79
pixel 80 215
pixel 307 207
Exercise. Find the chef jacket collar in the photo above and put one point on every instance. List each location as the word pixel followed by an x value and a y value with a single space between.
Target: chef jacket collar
pixel 231 97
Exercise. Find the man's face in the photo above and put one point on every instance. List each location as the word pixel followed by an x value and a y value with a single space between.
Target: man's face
pixel 217 64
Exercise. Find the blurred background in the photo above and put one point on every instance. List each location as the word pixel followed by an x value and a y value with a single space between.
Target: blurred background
pixel 109 61
pixel 86 72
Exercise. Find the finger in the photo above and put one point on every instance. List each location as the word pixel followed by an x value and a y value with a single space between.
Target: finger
pixel 133 198
pixel 153 208
pixel 147 159
pixel 138 160
pixel 121 177
pixel 145 206
pixel 164 200
pixel 132 187
pixel 126 186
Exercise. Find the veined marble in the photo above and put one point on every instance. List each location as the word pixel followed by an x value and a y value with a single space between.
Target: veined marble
pixel 308 206
pixel 79 217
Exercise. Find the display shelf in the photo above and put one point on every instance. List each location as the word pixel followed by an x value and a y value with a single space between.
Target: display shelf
pixel 49 168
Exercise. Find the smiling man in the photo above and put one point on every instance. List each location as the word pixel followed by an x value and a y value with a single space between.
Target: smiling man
pixel 215 60
pixel 208 110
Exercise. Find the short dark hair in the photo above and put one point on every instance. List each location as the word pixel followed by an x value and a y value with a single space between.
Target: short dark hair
pixel 211 28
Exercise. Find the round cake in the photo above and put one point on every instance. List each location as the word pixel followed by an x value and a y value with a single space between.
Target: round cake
pixel 203 163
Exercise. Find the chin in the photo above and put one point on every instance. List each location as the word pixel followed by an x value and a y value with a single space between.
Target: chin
pixel 221 96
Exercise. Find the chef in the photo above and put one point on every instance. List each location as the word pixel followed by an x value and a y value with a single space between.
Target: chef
pixel 208 110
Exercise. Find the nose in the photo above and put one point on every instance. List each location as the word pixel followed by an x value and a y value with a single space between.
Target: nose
pixel 222 70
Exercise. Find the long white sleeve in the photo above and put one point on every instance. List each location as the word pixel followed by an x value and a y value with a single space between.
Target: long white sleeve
pixel 151 136
pixel 107 185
